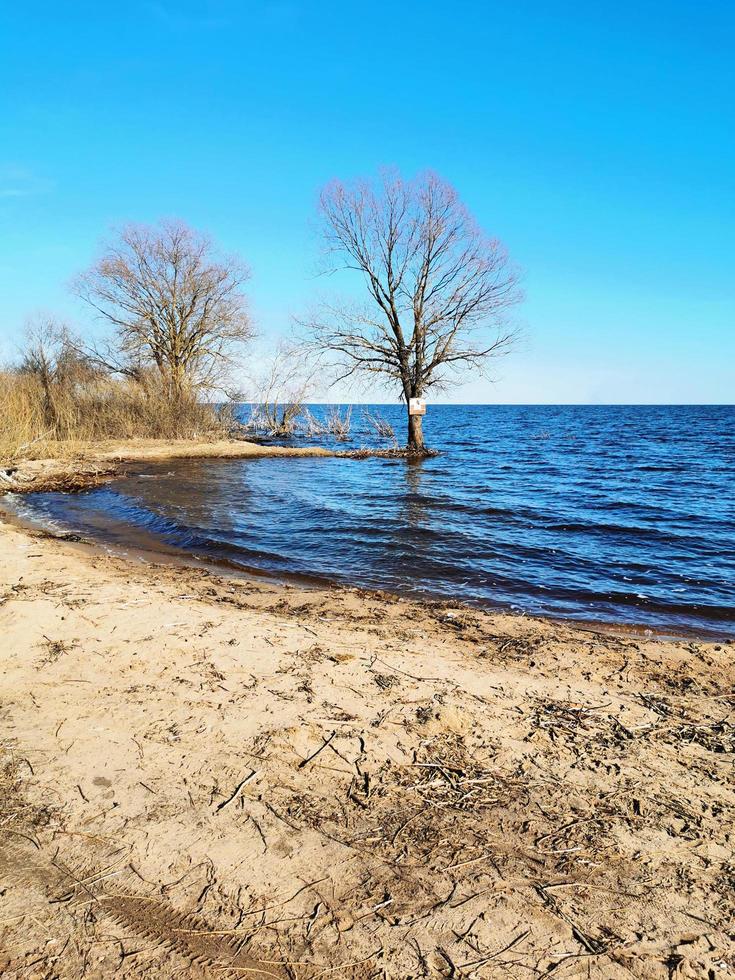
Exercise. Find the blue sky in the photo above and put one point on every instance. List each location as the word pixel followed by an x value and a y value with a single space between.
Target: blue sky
pixel 596 140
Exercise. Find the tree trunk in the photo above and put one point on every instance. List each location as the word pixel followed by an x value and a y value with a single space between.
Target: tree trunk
pixel 415 433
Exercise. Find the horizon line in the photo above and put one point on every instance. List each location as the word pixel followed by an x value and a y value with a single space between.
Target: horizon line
pixel 521 404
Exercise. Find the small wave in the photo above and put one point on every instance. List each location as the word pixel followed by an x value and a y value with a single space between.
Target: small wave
pixel 505 516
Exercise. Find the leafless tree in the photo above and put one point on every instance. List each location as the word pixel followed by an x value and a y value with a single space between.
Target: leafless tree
pixel 440 288
pixel 175 304
pixel 280 392
pixel 50 355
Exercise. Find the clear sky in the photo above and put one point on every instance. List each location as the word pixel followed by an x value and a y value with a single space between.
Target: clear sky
pixel 596 139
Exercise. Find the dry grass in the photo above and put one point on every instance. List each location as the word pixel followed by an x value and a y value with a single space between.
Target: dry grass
pixel 20 821
pixel 34 425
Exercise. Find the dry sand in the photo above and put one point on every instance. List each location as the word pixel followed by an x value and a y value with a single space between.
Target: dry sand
pixel 214 777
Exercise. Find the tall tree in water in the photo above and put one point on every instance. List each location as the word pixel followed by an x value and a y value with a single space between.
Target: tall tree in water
pixel 440 289
pixel 175 304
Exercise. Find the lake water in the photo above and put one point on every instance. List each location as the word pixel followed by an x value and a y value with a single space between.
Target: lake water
pixel 615 514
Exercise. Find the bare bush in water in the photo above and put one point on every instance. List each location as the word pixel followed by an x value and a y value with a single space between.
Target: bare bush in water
pixel 337 423
pixel 381 425
pixel 281 393
pixel 311 425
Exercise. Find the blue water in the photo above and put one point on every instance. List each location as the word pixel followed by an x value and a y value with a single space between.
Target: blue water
pixel 616 514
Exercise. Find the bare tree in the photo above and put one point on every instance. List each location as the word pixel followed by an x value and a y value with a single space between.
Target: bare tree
pixel 439 287
pixel 281 391
pixel 175 304
pixel 50 355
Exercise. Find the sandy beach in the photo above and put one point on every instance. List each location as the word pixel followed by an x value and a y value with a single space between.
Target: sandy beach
pixel 208 776
pixel 82 465
pixel 367 491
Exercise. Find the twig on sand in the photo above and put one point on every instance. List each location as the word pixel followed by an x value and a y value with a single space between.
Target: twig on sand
pixel 265 908
pixel 243 782
pixel 414 677
pixel 252 819
pixel 325 743
pixel 445 956
pixel 492 956
pixel 279 816
pixel 591 944
pixel 344 966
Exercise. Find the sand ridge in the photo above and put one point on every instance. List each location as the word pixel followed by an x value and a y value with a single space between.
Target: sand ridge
pixel 77 466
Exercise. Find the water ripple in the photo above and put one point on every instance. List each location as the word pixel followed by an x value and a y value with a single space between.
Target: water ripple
pixel 622 514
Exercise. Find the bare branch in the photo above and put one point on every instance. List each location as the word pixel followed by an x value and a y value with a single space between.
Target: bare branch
pixel 173 303
pixel 440 288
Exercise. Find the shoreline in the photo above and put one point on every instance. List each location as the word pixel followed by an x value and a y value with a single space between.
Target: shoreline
pixel 92 464
pixel 87 465
pixel 224 568
pixel 190 749
pixel 83 466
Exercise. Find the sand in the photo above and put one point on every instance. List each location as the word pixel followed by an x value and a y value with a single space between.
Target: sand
pixel 213 777
pixel 75 466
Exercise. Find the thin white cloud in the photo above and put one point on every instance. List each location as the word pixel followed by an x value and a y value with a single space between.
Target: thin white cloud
pixel 18 182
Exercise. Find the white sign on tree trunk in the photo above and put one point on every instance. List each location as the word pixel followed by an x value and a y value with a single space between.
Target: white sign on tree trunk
pixel 417 406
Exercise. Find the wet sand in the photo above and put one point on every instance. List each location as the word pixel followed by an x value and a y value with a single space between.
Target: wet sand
pixel 82 465
pixel 211 776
